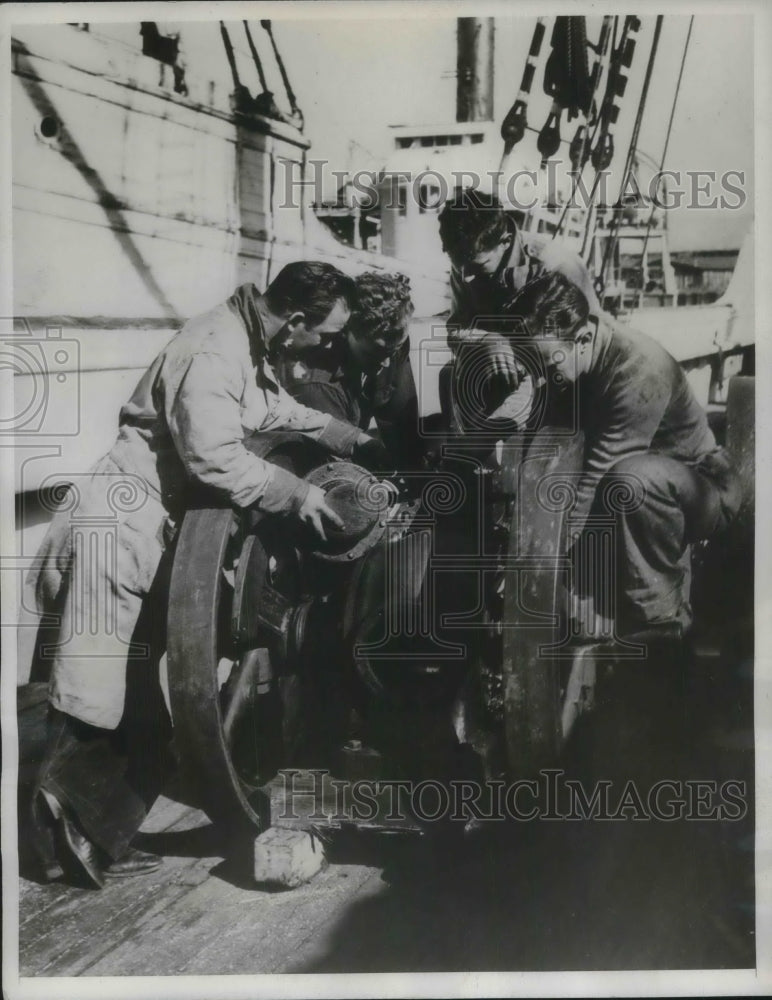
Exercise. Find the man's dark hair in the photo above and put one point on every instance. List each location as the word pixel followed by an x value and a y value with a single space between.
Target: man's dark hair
pixel 471 222
pixel 311 287
pixel 383 306
pixel 552 306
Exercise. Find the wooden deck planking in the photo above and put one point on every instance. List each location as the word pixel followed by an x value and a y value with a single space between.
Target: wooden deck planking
pixel 182 918
pixel 554 896
pixel 619 896
pixel 84 924
pixel 220 929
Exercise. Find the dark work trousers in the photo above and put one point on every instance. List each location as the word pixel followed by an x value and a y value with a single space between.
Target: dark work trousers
pixel 108 779
pixel 669 505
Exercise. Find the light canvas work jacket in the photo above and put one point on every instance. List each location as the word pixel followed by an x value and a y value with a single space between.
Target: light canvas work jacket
pixel 209 388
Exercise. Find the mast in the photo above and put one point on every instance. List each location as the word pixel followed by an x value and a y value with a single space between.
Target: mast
pixel 474 69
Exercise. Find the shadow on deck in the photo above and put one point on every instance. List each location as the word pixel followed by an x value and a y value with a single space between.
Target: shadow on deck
pixel 520 896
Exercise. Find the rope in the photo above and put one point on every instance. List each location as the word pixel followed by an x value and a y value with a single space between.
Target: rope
pixel 610 246
pixel 667 135
pixel 587 141
pixel 566 75
pixel 285 78
pixel 231 57
pixel 515 121
pixel 256 57
pixel 567 80
pixel 616 85
pixel 598 124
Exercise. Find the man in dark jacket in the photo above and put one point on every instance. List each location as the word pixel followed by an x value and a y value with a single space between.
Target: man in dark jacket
pixel 492 261
pixel 644 431
pixel 366 375
pixel 491 258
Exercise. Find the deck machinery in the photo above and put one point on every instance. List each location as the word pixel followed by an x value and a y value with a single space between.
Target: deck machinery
pixel 436 636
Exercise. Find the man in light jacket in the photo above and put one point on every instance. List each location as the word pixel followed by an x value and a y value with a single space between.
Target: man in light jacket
pixel 211 387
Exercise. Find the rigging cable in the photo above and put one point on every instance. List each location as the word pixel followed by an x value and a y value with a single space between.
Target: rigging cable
pixel 667 138
pixel 613 235
pixel 602 153
pixel 600 123
pixel 256 58
pixel 567 81
pixel 620 57
pixel 296 112
pixel 264 102
pixel 515 121
pixel 616 86
pixel 582 141
pixel 237 84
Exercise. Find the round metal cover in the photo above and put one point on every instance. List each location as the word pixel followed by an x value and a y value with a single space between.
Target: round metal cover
pixel 360 500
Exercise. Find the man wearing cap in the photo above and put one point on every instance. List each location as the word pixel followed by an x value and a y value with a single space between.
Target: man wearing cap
pixel 212 386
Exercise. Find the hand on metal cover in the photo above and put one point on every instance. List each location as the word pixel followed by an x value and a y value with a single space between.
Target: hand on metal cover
pixel 313 510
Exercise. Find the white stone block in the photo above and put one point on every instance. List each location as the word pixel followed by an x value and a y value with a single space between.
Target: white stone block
pixel 287 858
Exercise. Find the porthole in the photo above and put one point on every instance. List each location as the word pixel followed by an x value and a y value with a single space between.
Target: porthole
pixel 48 127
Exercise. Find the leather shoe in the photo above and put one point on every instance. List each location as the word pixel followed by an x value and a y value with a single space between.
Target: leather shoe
pixel 133 862
pixel 81 850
